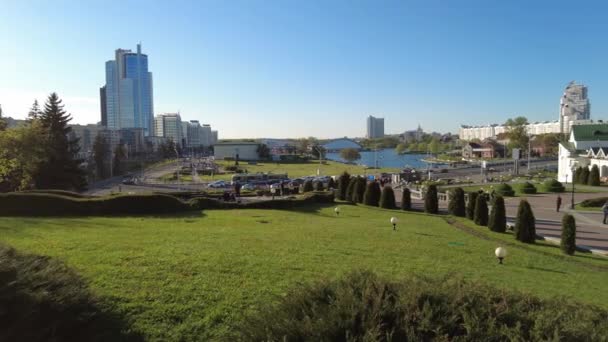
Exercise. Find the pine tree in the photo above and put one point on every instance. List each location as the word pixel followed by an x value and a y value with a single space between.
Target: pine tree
pixel 568 243
pixel 498 218
pixel 406 199
pixel 62 168
pixel 372 194
pixel 577 175
pixel 594 176
pixel 387 199
pixel 331 184
pixel 457 206
pixel 360 190
pixel 100 154
pixel 342 185
pixel 471 205
pixel 481 211
pixel 350 189
pixel 3 123
pixel 525 223
pixel 431 201
pixel 584 176
pixel 34 112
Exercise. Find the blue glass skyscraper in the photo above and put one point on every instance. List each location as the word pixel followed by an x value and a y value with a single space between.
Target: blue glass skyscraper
pixel 127 99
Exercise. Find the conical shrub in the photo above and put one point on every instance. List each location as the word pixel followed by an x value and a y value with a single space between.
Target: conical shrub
pixel 331 184
pixel 308 186
pixel 319 186
pixel 372 194
pixel 406 199
pixel 350 189
pixel 584 178
pixel 456 205
pixel 431 201
pixel 471 204
pixel 343 181
pixel 568 243
pixel 481 211
pixel 525 223
pixel 577 175
pixel 498 217
pixel 359 190
pixel 594 176
pixel 387 199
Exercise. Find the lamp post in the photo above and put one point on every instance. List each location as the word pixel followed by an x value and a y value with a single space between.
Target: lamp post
pixel 572 197
pixel 337 211
pixel 500 253
pixel 394 222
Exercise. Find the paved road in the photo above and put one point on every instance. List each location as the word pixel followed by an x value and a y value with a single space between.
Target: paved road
pixel 590 231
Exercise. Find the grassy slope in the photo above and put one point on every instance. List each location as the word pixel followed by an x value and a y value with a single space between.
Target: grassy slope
pixel 192 278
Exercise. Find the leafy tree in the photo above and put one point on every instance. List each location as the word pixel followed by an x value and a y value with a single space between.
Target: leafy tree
pixel 456 205
pixel 61 169
pixel 406 199
pixel 568 242
pixel 401 148
pixel 343 181
pixel 517 132
pixel 100 155
pixel 387 199
pixel 471 205
pixel 263 151
pixel 431 201
pixel 350 189
pixel 360 190
pixel 117 162
pixel 550 143
pixel 594 176
pixel 498 218
pixel 434 146
pixel 318 151
pixel 350 154
pixel 481 210
pixel 584 178
pixel 372 194
pixel 525 223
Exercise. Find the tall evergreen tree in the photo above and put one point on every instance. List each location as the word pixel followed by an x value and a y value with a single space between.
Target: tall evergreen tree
pixel 100 155
pixel 343 181
pixel 360 189
pixel 481 210
pixel 406 199
pixel 498 219
pixel 34 112
pixel 525 223
pixel 584 179
pixel 3 123
pixel 568 242
pixel 431 200
pixel 577 175
pixel 457 206
pixel 117 162
pixel 372 194
pixel 471 204
pixel 594 176
pixel 62 168
pixel 350 189
pixel 387 199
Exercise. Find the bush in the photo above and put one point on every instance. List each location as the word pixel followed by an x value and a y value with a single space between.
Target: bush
pixel 471 204
pixel 481 211
pixel 350 190
pixel 498 218
pixel 307 199
pixel 372 194
pixel 331 184
pixel 319 186
pixel 343 181
pixel 527 188
pixel 406 199
pixel 594 176
pixel 552 185
pixel 308 186
pixel 57 192
pixel 525 224
pixel 457 206
pixel 359 190
pixel 568 243
pixel 387 199
pixel 362 306
pixel 584 178
pixel 431 201
pixel 594 202
pixel 44 300
pixel 505 190
pixel 578 174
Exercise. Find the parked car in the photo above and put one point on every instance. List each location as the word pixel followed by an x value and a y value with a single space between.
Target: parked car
pixel 249 187
pixel 218 184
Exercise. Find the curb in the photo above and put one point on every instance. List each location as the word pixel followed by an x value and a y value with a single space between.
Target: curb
pixel 591 250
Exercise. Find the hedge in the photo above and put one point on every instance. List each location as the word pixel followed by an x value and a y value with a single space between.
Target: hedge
pixel 58 192
pixel 553 185
pixel 594 202
pixel 568 238
pixel 527 188
pixel 284 203
pixel 505 190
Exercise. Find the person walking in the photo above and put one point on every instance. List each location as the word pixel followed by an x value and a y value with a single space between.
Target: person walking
pixel 605 211
pixel 558 202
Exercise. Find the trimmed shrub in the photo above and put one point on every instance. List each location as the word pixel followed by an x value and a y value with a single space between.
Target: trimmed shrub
pixel 343 181
pixel 362 306
pixel 584 178
pixel 498 218
pixel 350 190
pixel 568 242
pixel 456 205
pixel 319 186
pixel 552 185
pixel 471 204
pixel 331 184
pixel 527 188
pixel 594 176
pixel 308 186
pixel 577 175
pixel 44 300
pixel 431 201
pixel 505 190
pixel 594 202
pixel 372 194
pixel 359 190
pixel 525 223
pixel 481 211
pixel 406 199
pixel 387 199
pixel 307 199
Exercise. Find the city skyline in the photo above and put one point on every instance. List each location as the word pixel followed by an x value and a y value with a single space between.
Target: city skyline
pixel 262 70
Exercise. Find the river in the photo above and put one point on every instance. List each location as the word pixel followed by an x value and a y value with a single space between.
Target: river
pixel 386 158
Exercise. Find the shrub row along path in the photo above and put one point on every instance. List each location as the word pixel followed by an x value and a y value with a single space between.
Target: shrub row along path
pixel 591 233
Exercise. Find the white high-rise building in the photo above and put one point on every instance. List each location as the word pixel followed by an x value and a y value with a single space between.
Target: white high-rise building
pixel 375 127
pixel 169 126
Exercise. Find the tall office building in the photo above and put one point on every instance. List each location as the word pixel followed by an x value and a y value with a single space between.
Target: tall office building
pixel 375 127
pixel 573 106
pixel 127 97
pixel 169 126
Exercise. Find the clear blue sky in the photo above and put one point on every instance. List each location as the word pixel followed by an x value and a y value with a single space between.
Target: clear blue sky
pixel 313 68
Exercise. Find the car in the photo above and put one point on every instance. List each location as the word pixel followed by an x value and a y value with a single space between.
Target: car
pixel 249 187
pixel 218 184
pixel 128 181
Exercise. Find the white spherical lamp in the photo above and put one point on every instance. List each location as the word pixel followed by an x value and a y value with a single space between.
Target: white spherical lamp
pixel 337 210
pixel 501 253
pixel 394 221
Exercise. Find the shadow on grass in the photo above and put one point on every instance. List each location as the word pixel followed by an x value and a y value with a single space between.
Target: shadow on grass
pixel 44 300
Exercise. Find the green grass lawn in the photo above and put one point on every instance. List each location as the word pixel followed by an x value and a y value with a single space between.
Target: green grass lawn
pixel 295 170
pixel 195 277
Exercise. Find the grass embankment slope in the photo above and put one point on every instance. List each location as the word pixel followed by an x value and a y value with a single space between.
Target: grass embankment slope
pixel 195 277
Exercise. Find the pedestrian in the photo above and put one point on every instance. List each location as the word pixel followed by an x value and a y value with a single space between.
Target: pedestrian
pixel 558 202
pixel 605 210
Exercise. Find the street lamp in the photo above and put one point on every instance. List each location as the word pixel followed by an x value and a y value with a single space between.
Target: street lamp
pixel 501 253
pixel 337 211
pixel 394 221
pixel 573 169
